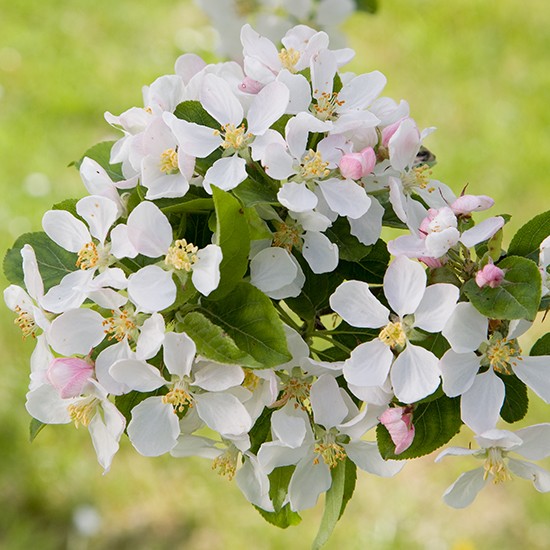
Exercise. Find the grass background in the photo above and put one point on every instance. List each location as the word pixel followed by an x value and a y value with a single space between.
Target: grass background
pixel 479 71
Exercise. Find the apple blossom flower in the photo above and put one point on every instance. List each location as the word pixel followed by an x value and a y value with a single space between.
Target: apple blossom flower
pixel 413 370
pixel 495 448
pixel 398 422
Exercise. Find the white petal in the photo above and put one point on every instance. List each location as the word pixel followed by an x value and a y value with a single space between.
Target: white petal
pixel 215 377
pixel 274 454
pixel 361 91
pixel 300 91
pixel 138 375
pixel 415 374
pixel 466 328
pixel 151 337
pixel 193 139
pixel 192 445
pixel 223 413
pixel 320 252
pixel 404 145
pixel 152 289
pixel 121 247
pixel 297 197
pixel 31 273
pixel 289 426
pixel 105 432
pixel 267 107
pixel 154 428
pixel 278 163
pixel 404 285
pixel 329 409
pixel 45 405
pixel 534 370
pixel 76 332
pixel 226 173
pixel 345 197
pixel 436 307
pixel 272 269
pixel 465 489
pixel 218 99
pixel 179 353
pixel 254 483
pixel 536 441
pixel 298 129
pixel 481 404
pixel 367 228
pixel 458 371
pixel 104 361
pixel 369 364
pixel 149 230
pixel 70 293
pixel 323 68
pixel 366 456
pixel 482 231
pixel 355 303
pixel 206 271
pixel 100 213
pixel 539 476
pixel 66 230
pixel 308 481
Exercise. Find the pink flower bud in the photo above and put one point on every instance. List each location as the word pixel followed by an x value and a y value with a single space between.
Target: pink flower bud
pixel 433 263
pixel 68 375
pixel 490 275
pixel 351 166
pixel 471 203
pixel 250 86
pixel 369 160
pixel 398 422
pixel 388 132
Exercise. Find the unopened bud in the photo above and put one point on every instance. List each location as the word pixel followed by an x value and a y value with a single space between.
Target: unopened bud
pixel 490 275
pixel 471 203
pixel 68 375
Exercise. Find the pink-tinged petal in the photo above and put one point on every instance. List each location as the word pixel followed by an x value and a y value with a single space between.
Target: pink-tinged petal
pixel 398 422
pixel 215 377
pixel 466 328
pixel 45 404
pixel 367 228
pixel 345 197
pixel 149 230
pixel 76 332
pixel 297 197
pixel 319 252
pixel 490 275
pixel 250 86
pixel 223 413
pixel 308 482
pixel 482 231
pixel 152 289
pixel 535 441
pixel 329 408
pixel 31 273
pixel 193 139
pixel 267 107
pixel 438 243
pixel 366 456
pixel 361 91
pixel 154 428
pixel 437 305
pixel 226 173
pixel 68 375
pixel 414 374
pixel 218 99
pixel 466 204
pixel 465 489
pixel 188 65
pixel 179 353
pixel 137 375
pixel 351 166
pixel 369 364
pixel 278 163
pixel 300 91
pixel 458 371
pixel 323 68
pixel 404 285
pixel 404 145
pixel 539 476
pixel 206 271
pixel 534 371
pixel 66 230
pixel 407 245
pixel 355 303
pixel 100 213
pixel 481 404
pixel 397 198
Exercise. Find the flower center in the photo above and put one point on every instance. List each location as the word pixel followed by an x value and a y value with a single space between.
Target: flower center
pixel 250 381
pixel 289 58
pixel 495 466
pixel 313 166
pixel 121 325
pixel 179 399
pixel 226 463
pixel 331 453
pixel 25 321
pixel 503 354
pixel 417 178
pixel 182 255
pixel 287 236
pixel 169 161
pixel 88 256
pixel 393 335
pixel 81 413
pixel 234 137
pixel 297 389
pixel 326 105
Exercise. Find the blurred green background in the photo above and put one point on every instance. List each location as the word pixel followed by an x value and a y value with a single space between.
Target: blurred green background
pixel 479 71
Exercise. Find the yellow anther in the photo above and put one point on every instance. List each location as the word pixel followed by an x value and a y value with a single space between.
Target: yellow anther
pixel 250 381
pixel 226 463
pixel 313 166
pixel 330 452
pixel 182 255
pixel 121 325
pixel 326 105
pixel 287 236
pixel 289 58
pixel 234 137
pixel 179 399
pixel 88 256
pixel 418 178
pixel 495 466
pixel 81 413
pixel 393 335
pixel 297 389
pixel 503 354
pixel 25 321
pixel 169 162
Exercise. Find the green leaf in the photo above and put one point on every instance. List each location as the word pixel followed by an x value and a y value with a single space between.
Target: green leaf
pixel 349 247
pixel 69 205
pixel 35 427
pixel 234 240
pixel 250 319
pixel 193 111
pixel 541 346
pixel 368 6
pixel 436 343
pixel 371 268
pixel 435 423
pixel 101 153
pixel 251 192
pixel 283 519
pixel 526 241
pixel 344 476
pixel 193 205
pixel 261 431
pixel 126 402
pixel 53 261
pixel 518 296
pixel 213 342
pixel 516 400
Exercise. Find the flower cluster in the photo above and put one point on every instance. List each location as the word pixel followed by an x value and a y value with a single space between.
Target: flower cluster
pixel 224 290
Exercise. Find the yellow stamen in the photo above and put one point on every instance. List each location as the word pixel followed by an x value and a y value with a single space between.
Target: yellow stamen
pixel 81 413
pixel 326 105
pixel 287 236
pixel 495 466
pixel 313 166
pixel 418 178
pixel 121 325
pixel 169 162
pixel 330 452
pixel 503 354
pixel 289 58
pixel 25 321
pixel 393 335
pixel 226 463
pixel 297 389
pixel 182 255
pixel 88 256
pixel 234 137
pixel 179 399
pixel 250 381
